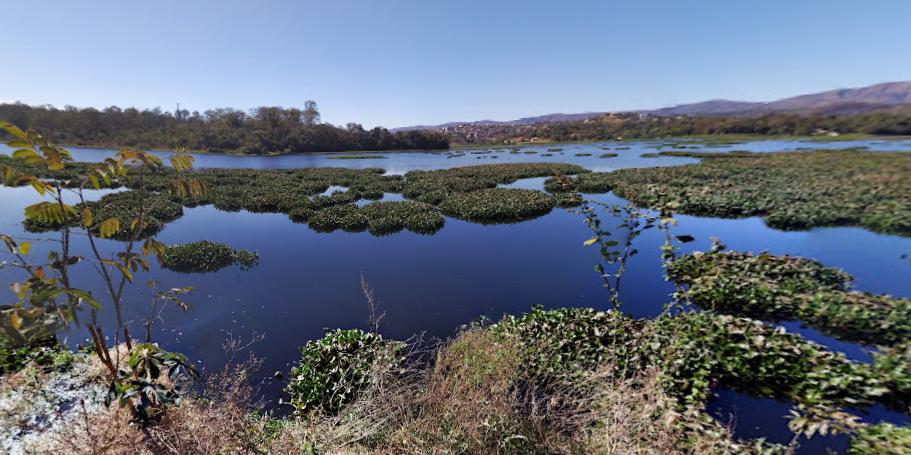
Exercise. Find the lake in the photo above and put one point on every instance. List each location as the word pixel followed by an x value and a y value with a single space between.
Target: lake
pixel 431 284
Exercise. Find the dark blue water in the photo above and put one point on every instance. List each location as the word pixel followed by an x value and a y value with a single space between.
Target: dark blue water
pixel 753 417
pixel 307 281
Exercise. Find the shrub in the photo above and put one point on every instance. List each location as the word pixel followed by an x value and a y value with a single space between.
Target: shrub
pixel 334 369
pixel 204 256
pixel 573 340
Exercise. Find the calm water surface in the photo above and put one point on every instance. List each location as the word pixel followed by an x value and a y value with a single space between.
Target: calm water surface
pixel 308 281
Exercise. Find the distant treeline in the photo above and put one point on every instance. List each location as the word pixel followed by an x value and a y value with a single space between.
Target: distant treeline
pixel 631 125
pixel 259 131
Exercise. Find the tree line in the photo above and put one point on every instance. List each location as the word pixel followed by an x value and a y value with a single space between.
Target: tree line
pixel 643 126
pixel 262 130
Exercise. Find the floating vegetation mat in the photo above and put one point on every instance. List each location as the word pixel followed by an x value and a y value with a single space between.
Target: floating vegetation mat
pixel 791 190
pixel 498 204
pixel 298 193
pixel 204 256
pixel 357 157
pixel 785 288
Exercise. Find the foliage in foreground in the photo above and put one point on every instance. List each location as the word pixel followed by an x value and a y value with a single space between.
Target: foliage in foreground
pixel 205 256
pixel 787 288
pixel 791 190
pixel 335 368
pixel 560 381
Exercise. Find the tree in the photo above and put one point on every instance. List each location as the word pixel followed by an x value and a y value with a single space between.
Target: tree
pixel 311 113
pixel 48 300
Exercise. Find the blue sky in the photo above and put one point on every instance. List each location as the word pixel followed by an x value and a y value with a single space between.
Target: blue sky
pixel 397 63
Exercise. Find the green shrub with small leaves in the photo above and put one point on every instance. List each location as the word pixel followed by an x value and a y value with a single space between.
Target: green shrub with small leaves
pixel 336 368
pixel 569 341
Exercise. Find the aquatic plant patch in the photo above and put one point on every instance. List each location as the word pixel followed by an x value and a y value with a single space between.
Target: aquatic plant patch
pixel 205 256
pixel 157 210
pixel 608 155
pixel 357 157
pixel 393 216
pixel 498 204
pixel 297 193
pixel 881 439
pixel 348 217
pixel 791 190
pixel 434 186
pixel 699 350
pixel 785 288
pixel 695 352
pixel 893 364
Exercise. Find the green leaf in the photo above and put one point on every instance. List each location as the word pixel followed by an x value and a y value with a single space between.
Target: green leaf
pixel 13 129
pixel 109 227
pixel 86 297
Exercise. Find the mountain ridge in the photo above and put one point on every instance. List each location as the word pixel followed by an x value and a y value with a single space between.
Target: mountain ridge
pixel 874 97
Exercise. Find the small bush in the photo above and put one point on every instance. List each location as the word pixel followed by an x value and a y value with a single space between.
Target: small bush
pixel 334 369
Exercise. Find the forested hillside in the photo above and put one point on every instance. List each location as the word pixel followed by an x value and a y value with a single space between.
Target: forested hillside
pixel 259 131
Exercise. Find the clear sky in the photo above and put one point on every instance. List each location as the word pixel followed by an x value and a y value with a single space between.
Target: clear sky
pixel 398 63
